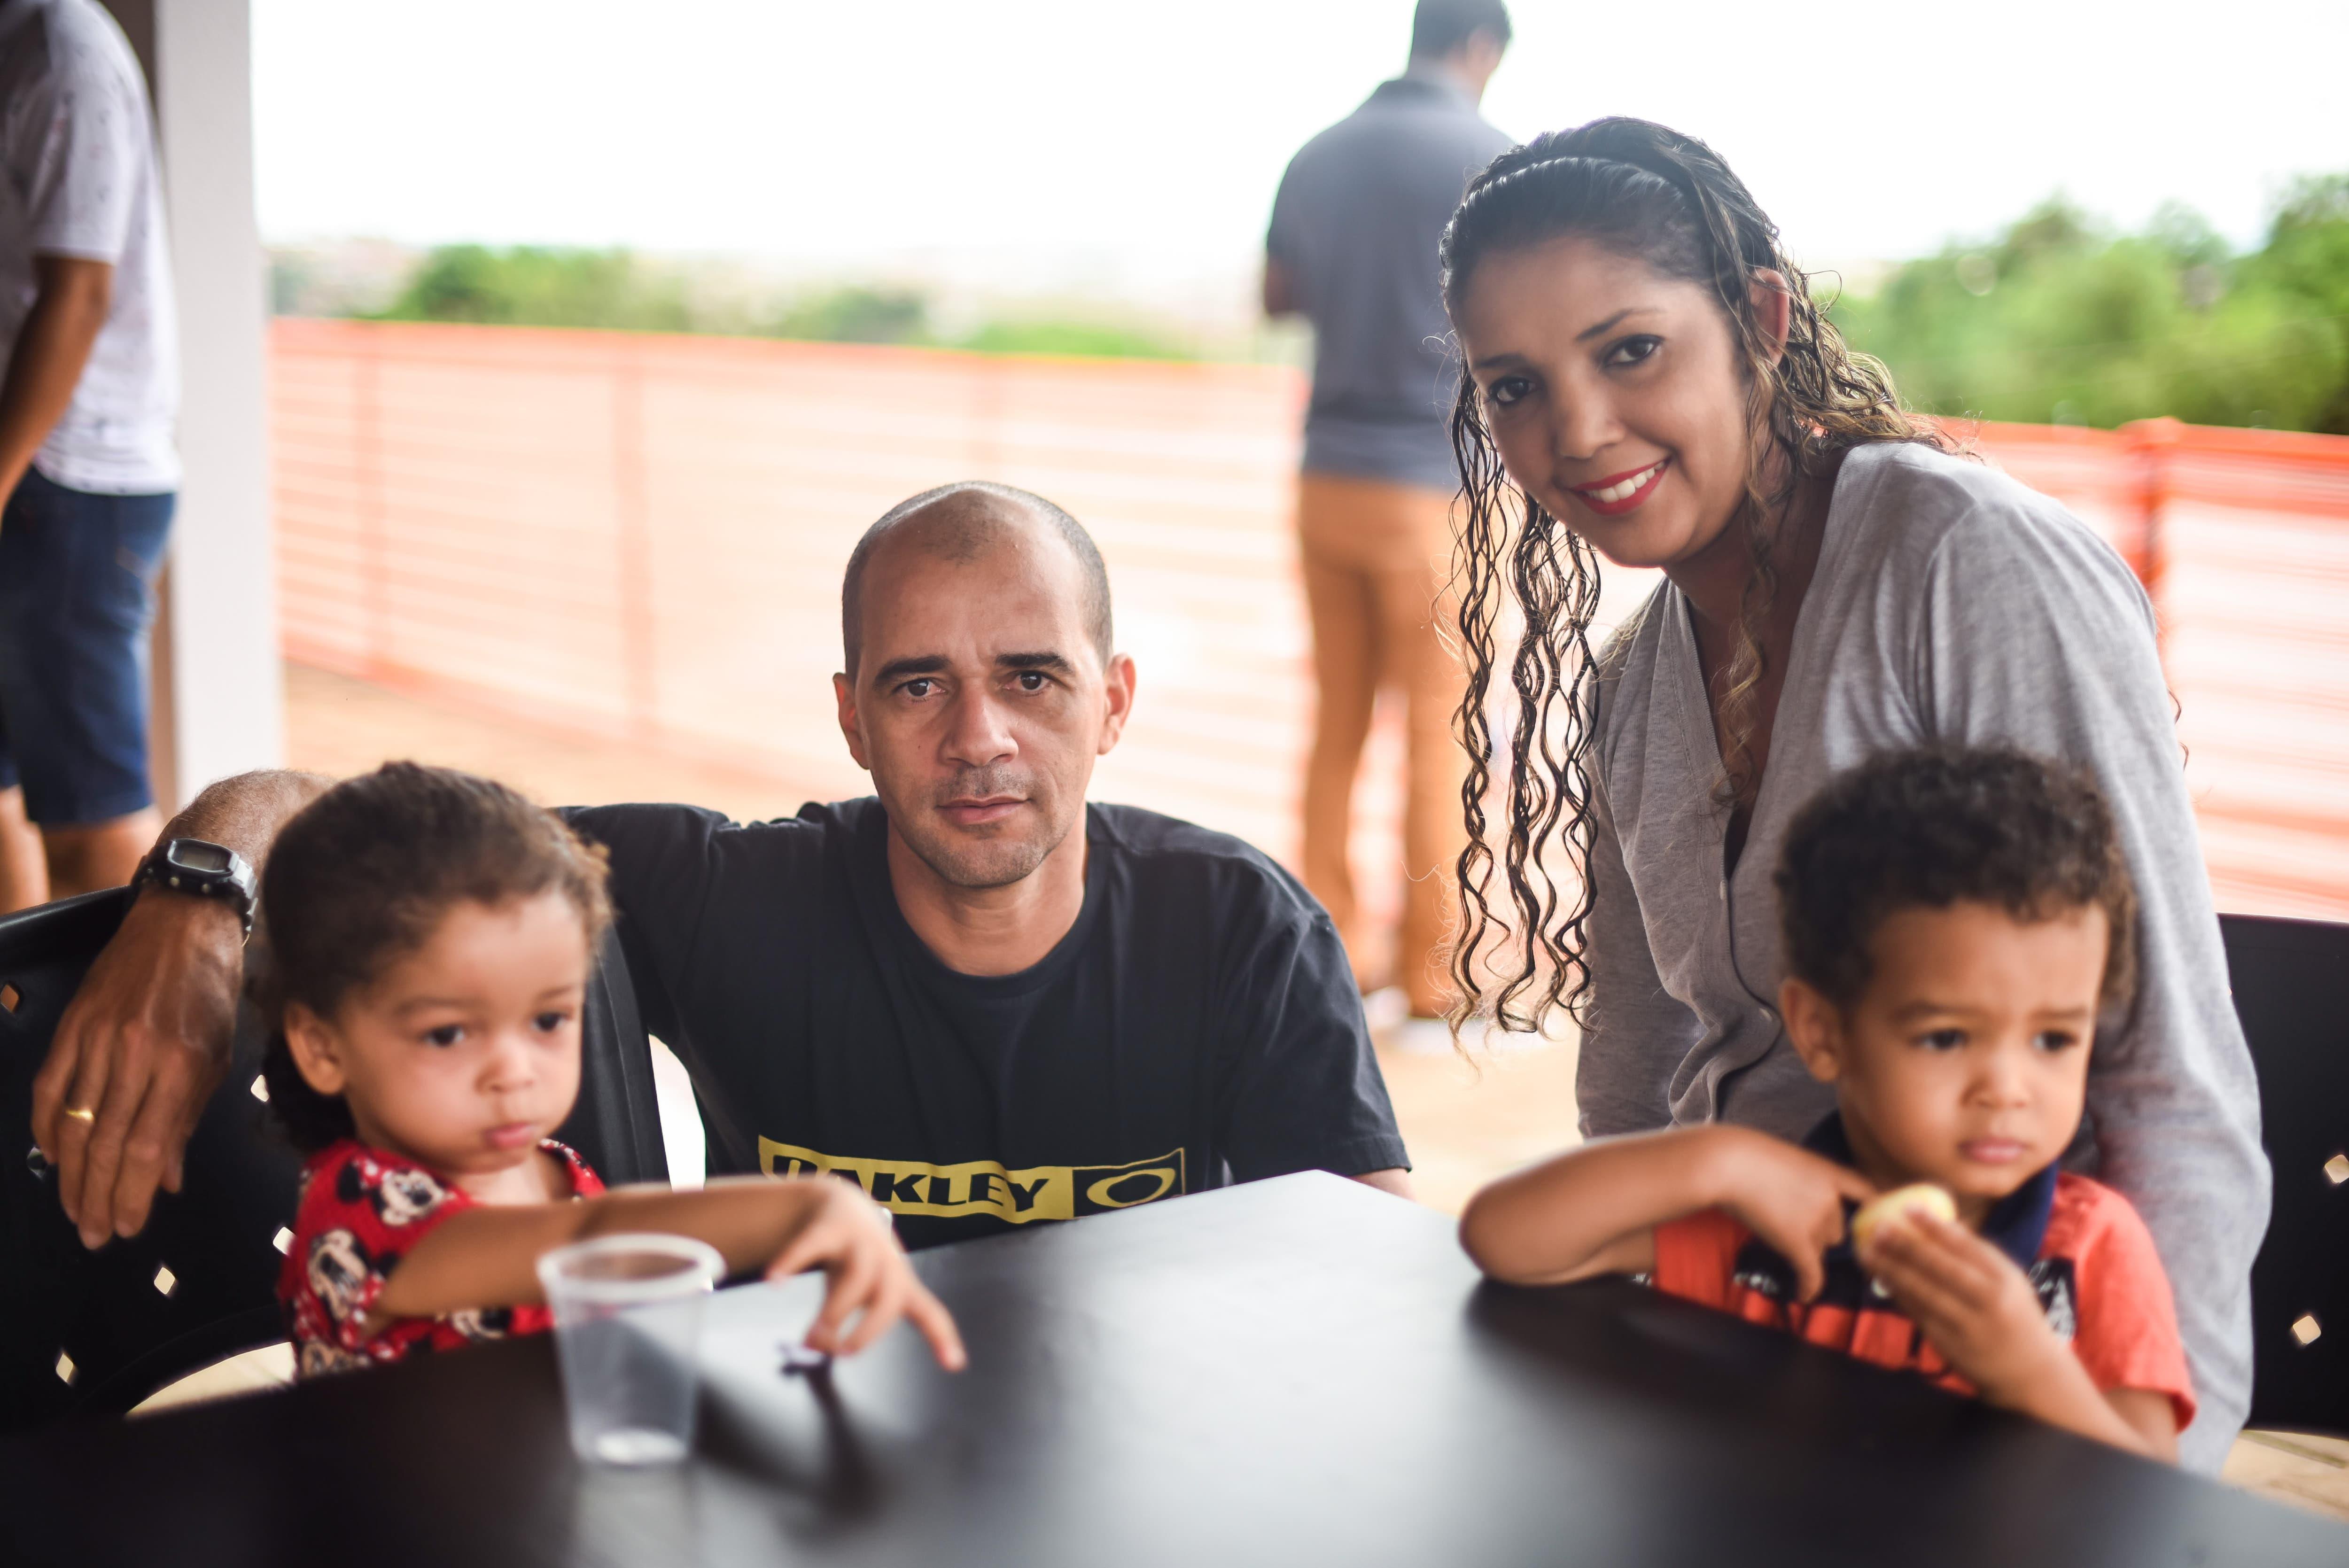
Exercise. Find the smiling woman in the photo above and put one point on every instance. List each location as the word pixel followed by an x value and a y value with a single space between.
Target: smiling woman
pixel 1646 378
pixel 1692 340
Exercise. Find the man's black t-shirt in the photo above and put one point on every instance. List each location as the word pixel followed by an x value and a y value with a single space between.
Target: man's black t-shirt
pixel 1197 1026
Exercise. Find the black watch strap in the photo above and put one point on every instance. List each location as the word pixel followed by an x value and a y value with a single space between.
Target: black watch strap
pixel 201 870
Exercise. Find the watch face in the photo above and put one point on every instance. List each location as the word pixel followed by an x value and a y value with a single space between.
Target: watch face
pixel 191 855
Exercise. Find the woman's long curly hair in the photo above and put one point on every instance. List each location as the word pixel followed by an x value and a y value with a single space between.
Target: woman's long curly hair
pixel 1668 200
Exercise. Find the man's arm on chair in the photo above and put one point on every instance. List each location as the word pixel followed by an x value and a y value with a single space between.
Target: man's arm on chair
pixel 146 1039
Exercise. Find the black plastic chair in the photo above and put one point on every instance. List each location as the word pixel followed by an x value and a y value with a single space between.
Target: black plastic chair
pixel 615 1126
pixel 2291 980
pixel 97 1332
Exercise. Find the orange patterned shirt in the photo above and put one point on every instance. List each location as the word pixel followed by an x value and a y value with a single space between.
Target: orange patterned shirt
pixel 2082 1245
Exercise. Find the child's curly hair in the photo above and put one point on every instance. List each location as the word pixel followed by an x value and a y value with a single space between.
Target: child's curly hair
pixel 1939 825
pixel 361 876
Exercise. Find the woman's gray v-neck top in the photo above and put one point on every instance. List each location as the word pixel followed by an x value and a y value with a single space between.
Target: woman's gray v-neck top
pixel 1950 603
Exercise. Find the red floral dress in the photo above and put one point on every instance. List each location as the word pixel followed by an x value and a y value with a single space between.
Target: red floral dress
pixel 361 1210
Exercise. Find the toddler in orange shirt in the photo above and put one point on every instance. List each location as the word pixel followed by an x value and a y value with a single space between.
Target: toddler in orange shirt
pixel 1955 921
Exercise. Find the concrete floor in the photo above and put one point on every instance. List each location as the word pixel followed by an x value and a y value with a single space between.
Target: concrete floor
pixel 1464 1124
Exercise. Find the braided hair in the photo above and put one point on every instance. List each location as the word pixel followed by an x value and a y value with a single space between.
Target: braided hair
pixel 1667 199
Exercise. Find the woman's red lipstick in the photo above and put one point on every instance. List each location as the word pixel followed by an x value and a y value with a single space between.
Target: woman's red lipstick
pixel 1645 480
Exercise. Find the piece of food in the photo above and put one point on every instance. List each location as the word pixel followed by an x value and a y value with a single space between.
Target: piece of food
pixel 1884 1206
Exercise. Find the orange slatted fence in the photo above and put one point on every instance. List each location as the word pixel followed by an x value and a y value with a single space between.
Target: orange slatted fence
pixel 2243 537
pixel 641 537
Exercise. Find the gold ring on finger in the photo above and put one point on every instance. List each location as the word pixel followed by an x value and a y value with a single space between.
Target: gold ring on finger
pixel 81 1113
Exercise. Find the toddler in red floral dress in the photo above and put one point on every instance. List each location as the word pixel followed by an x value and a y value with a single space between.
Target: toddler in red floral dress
pixel 431 938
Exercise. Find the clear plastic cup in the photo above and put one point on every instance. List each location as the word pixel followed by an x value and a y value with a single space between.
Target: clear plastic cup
pixel 628 1327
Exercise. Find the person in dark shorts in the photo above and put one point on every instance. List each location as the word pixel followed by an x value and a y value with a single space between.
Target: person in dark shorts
pixel 986 1001
pixel 1352 246
pixel 86 464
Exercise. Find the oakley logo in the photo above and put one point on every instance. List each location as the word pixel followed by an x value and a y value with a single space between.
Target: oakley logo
pixel 984 1187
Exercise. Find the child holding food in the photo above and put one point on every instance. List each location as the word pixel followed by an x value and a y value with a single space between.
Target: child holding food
pixel 431 938
pixel 1955 922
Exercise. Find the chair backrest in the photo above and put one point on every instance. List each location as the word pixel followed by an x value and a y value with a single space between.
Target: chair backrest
pixel 615 1126
pixel 2291 980
pixel 99 1330
pixel 83 1331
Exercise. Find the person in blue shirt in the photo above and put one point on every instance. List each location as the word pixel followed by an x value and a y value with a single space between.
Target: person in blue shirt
pixel 1352 247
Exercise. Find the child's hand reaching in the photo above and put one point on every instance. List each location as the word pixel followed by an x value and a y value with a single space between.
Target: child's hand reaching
pixel 847 1235
pixel 1789 1197
pixel 1594 1210
pixel 488 1254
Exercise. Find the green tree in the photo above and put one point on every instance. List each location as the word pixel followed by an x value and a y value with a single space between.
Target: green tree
pixel 2059 321
pixel 531 286
pixel 1080 339
pixel 856 315
pixel 2306 260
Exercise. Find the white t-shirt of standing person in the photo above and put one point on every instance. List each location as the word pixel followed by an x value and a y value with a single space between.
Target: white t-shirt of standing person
pixel 78 147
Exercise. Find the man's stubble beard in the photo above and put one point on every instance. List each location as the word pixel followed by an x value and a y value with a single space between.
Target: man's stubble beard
pixel 974 862
pixel 982 864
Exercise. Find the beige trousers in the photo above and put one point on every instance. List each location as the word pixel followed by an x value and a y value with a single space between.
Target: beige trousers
pixel 1375 558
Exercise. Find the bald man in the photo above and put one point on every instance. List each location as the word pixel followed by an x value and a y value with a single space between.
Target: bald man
pixel 986 1001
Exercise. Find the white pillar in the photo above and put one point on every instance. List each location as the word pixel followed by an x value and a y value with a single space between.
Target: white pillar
pixel 219 693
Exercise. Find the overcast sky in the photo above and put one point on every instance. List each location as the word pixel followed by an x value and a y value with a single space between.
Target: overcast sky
pixel 1130 142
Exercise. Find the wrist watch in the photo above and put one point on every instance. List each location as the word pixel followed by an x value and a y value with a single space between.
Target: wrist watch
pixel 202 870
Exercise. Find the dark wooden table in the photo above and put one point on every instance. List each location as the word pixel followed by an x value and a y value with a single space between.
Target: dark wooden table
pixel 1296 1372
